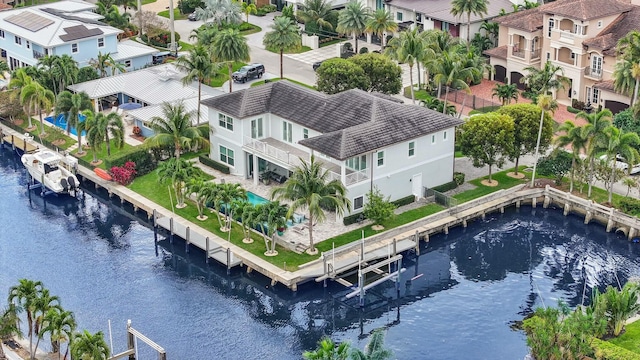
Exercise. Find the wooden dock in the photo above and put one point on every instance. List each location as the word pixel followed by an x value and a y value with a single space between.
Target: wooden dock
pixel 15 142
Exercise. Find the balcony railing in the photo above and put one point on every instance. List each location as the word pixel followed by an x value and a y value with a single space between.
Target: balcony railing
pixel 518 53
pixel 535 54
pixel 356 177
pixel 593 73
pixel 37 54
pixel 271 151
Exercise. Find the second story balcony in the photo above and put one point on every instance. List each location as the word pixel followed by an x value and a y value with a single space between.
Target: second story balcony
pixel 593 73
pixel 37 54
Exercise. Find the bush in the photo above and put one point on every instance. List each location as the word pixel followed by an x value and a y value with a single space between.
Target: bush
pixel 577 104
pixel 352 219
pixel 607 351
pixel 363 50
pixel 458 177
pixel 404 201
pixel 124 175
pixel 264 10
pixel 572 110
pixel 214 164
pixel 189 6
pixel 446 186
pixel 629 205
pixel 557 164
pixel 377 207
pixel 140 156
pixel 162 38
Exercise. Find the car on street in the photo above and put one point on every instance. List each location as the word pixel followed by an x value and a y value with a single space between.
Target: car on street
pixel 248 72
pixel 316 65
pixel 192 17
pixel 622 164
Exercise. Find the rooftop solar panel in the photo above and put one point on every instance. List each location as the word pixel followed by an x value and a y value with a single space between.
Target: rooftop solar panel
pixel 79 32
pixel 30 21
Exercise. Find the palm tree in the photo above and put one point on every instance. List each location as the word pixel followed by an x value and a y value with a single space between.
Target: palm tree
pixel 65 70
pixel 229 192
pixel 229 46
pixel 546 103
pixel 616 306
pixel 4 68
pixel 353 19
pixel 475 7
pixel 46 65
pixel 594 131
pixel 629 46
pixel 491 29
pixel 220 12
pixel 107 127
pixel 381 22
pixel 619 142
pixel 87 346
pixel 127 4
pixel 452 73
pixel 178 171
pixel 328 350
pixel 199 67
pixel 249 8
pixel 407 48
pixel 275 215
pixel 309 188
pixel 506 93
pixel 9 328
pixel 577 138
pixel 60 325
pixel 284 36
pixel 629 182
pixel 174 129
pixel 72 105
pixel 201 189
pixel 19 80
pixel 374 350
pixel 24 297
pixel 318 14
pixel 248 217
pixel 39 97
pixel 43 304
pixel 103 62
pixel 541 81
pixel 204 35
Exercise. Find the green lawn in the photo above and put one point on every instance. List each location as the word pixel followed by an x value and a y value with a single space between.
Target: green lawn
pixel 145 2
pixel 53 134
pixel 297 50
pixel 331 42
pixel 417 94
pixel 193 155
pixel 262 82
pixel 459 154
pixel 404 218
pixel 251 29
pixel 504 182
pixel 484 110
pixel 149 187
pixel 176 14
pixel 102 153
pixel 223 75
pixel 630 340
pixel 184 46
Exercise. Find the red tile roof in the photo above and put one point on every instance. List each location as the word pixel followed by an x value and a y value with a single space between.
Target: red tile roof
pixel 527 20
pixel 607 39
pixel 604 85
pixel 586 9
pixel 498 52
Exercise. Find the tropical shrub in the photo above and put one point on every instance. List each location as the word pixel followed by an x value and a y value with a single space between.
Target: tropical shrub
pixel 404 201
pixel 124 175
pixel 160 38
pixel 557 164
pixel 607 351
pixel 629 205
pixel 377 208
pixel 214 164
pixel 458 177
pixel 446 186
pixel 264 10
pixel 142 158
pixel 189 6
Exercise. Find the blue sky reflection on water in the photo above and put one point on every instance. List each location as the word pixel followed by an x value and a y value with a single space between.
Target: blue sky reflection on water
pixel 475 282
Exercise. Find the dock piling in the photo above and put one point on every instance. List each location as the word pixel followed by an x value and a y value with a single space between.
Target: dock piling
pixel 229 261
pixel 206 254
pixel 171 231
pixel 188 240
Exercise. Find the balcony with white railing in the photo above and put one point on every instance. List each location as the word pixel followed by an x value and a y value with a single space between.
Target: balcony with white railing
pixel 288 156
pixel 593 73
pixel 567 37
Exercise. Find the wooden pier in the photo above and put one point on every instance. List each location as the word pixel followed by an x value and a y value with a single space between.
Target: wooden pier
pixel 333 265
pixel 14 142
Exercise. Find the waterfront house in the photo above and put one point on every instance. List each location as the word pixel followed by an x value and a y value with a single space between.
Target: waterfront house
pixel 363 139
pixel 150 87
pixel 578 35
pixel 65 27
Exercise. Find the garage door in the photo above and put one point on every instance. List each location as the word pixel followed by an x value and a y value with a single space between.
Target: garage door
pixel 615 106
pixel 515 79
pixel 500 73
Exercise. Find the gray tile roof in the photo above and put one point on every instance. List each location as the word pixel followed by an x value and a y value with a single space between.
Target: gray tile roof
pixel 353 122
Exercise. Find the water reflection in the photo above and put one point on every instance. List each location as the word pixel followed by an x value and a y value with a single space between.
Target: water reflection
pixel 455 299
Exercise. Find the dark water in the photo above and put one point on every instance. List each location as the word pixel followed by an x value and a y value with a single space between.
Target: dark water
pixel 475 282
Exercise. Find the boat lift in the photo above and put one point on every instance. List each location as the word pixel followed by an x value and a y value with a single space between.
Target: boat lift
pixel 132 336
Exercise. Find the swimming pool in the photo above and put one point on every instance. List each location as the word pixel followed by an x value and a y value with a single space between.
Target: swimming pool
pixel 255 199
pixel 61 122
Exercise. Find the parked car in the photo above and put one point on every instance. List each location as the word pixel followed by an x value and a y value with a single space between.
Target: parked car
pixel 248 72
pixel 316 65
pixel 621 164
pixel 192 17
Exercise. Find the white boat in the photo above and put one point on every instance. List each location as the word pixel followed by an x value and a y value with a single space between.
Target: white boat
pixel 45 167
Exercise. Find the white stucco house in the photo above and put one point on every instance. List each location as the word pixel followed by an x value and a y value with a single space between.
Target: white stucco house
pixel 365 140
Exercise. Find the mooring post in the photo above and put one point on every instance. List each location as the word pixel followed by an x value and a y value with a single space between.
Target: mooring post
pixel 361 286
pixel 13 143
pixel 395 242
pixel 228 261
pixel 206 254
pixel 131 341
pixel 188 238
pixel 398 268
pixel 24 145
pixel 155 231
pixel 171 231
pixel 417 243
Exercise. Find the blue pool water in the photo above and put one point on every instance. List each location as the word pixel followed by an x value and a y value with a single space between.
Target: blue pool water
pixel 61 122
pixel 99 257
pixel 255 199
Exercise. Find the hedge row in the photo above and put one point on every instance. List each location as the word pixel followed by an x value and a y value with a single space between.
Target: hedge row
pixel 354 218
pixel 446 186
pixel 214 164
pixel 607 351
pixel 404 201
pixel 139 155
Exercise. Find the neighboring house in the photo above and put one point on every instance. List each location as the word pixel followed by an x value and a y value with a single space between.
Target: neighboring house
pixel 65 27
pixel 578 35
pixel 365 140
pixel 436 14
pixel 149 87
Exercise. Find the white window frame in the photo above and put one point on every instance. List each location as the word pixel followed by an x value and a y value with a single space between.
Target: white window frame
pixel 552 25
pixel 596 65
pixel 17 40
pixel 399 15
pixel 305 133
pixel 412 149
pixel 357 163
pixel 596 96
pixel 257 129
pixel 225 122
pixel 74 48
pixel 101 42
pixel 227 155
pixel 28 44
pixel 127 64
pixel 380 158
pixel 287 131
pixel 355 202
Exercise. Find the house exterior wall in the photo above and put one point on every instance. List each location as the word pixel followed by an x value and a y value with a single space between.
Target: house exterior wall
pixel 88 49
pixel 19 52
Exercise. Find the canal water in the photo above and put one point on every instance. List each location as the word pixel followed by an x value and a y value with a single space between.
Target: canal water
pixel 468 288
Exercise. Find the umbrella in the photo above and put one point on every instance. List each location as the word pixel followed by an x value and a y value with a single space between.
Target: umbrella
pixel 130 106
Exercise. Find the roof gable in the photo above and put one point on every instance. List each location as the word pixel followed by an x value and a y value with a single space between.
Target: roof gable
pixel 608 38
